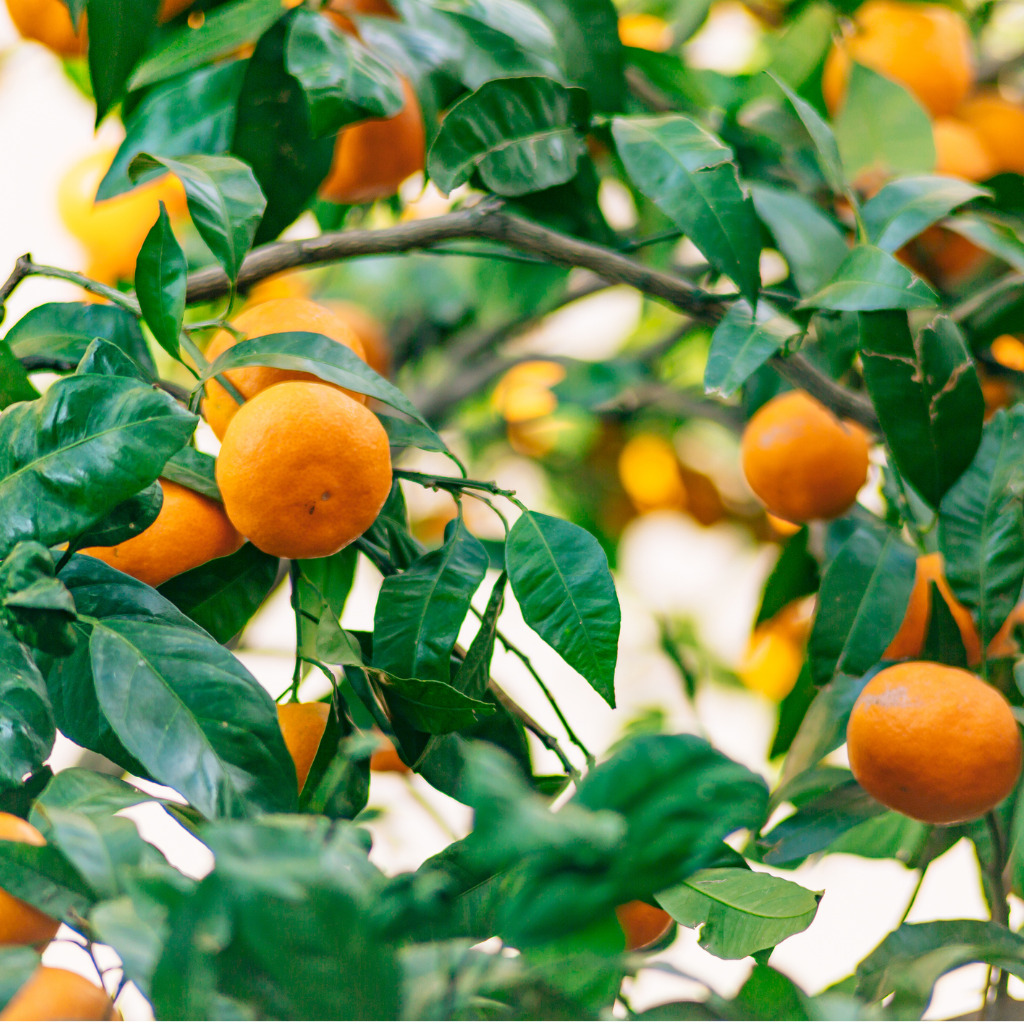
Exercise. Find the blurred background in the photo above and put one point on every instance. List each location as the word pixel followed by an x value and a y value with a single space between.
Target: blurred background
pixel 554 417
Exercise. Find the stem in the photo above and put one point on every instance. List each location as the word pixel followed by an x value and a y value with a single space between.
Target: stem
pixel 294 576
pixel 995 1008
pixel 118 298
pixel 456 483
pixel 913 897
pixel 529 722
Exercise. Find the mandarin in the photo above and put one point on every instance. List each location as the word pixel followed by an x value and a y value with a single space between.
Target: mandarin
pixel 302 726
pixel 642 923
pixel 960 150
pixel 52 993
pixel 20 923
pixel 1000 125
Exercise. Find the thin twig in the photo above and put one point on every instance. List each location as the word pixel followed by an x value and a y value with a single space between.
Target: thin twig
pixel 535 727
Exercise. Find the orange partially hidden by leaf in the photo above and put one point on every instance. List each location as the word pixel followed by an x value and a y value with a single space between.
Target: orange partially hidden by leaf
pixel 385 759
pixel 52 993
pixel 943 257
pixel 774 656
pixel 302 726
pixel 643 923
pixel 20 923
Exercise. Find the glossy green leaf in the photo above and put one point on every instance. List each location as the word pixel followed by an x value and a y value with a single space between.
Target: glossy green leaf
pixel 14 383
pixel 224 200
pixel 57 334
pixel 793 576
pixel 70 457
pixel 998 238
pixel 407 434
pixel 43 877
pixel 126 520
pixel 825 146
pixel 520 134
pixel 420 611
pixel 560 577
pixel 343 80
pixel 742 911
pixel 193 469
pixel 34 606
pixel 474 673
pixel 904 208
pixel 160 273
pixel 927 396
pixel 742 343
pixel 87 792
pixel 105 358
pixel 118 34
pixel 432 706
pixel 870 278
pixel 981 525
pixel 689 174
pixel 863 597
pixel 27 728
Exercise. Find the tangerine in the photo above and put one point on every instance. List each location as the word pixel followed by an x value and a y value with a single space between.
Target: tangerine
pixel 1000 125
pixel 645 32
pixel 643 923
pixel 20 923
pixel 302 726
pixel 385 759
pixel 370 332
pixel 960 150
pixel 52 993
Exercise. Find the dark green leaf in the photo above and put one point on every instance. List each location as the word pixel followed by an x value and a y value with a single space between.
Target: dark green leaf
pixel 770 995
pixel 870 278
pixel 689 174
pixel 160 273
pixel 14 383
pixel 118 33
pixel 826 149
pixel 126 520
pixel 743 343
pixel 194 470
pixel 34 606
pixel 520 134
pixel 27 729
pixel 560 577
pixel 474 673
pixel 42 876
pixel 105 358
pixel 794 576
pixel 338 784
pixel 432 706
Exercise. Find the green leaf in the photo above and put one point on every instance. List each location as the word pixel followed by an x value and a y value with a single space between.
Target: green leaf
pixel 927 396
pixel 34 606
pixel 993 236
pixel 273 135
pixel 224 200
pixel 188 115
pixel 560 577
pixel 432 706
pixel 406 434
pixel 690 176
pixel 27 729
pixel 343 80
pixel 86 792
pixel 813 244
pixel 520 134
pixel 882 127
pixel 825 145
pixel 58 333
pixel 863 598
pixel 742 911
pixel 902 209
pixel 126 520
pixel 981 525
pixel 43 877
pixel 17 964
pixel 794 575
pixel 194 470
pixel 14 383
pixel 910 960
pixel 118 34
pixel 420 611
pixel 870 278
pixel 70 457
pixel 474 675
pixel 160 273
pixel 104 358
pixel 742 343
pixel 224 30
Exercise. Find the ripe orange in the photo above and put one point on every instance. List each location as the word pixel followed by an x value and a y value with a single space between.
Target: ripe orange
pixel 385 759
pixel 960 150
pixel 1000 124
pixel 909 639
pixel 52 993
pixel 643 924
pixel 20 923
pixel 372 158
pixel 302 726
pixel 926 48
pixel 1004 643
pixel 303 470
pixel 801 461
pixel 190 531
pixel 277 286
pixel 1008 351
pixel 370 332
pixel 645 32
pixel 112 231
pixel 774 656
pixel 275 316
pixel 934 742
pixel 524 390
pixel 649 473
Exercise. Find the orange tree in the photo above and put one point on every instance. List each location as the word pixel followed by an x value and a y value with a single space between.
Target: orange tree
pixel 895 278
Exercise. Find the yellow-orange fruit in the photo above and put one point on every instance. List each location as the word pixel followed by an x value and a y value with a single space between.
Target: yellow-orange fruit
pixel 275 316
pixel 20 923
pixel 801 460
pixel 1008 351
pixel 643 924
pixel 1000 124
pixel 302 726
pixel 645 32
pixel 926 48
pixel 385 759
pixel 372 158
pixel 113 230
pixel 934 742
pixel 52 993
pixel 524 390
pixel 909 639
pixel 370 332
pixel 190 531
pixel 960 151
pixel 303 470
pixel 650 474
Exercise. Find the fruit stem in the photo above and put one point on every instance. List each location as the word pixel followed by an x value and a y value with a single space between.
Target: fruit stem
pixel 456 483
pixel 997 990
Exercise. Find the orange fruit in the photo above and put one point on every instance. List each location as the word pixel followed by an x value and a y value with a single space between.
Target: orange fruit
pixel 20 923
pixel 303 469
pixel 275 316
pixel 771 663
pixel 643 924
pixel 997 392
pixel 372 158
pixel 645 32
pixel 909 639
pixel 385 759
pixel 113 230
pixel 370 332
pixel 960 150
pixel 926 48
pixel 1004 643
pixel 801 460
pixel 649 473
pixel 302 726
pixel 943 257
pixel 1000 125
pixel 190 531
pixel 277 286
pixel 933 742
pixel 524 390
pixel 52 993
pixel 1008 351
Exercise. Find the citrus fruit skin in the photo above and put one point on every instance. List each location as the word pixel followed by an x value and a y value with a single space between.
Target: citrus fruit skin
pixel 645 32
pixel 190 531
pixel 1000 125
pixel 20 923
pixel 370 332
pixel 303 470
pixel 52 993
pixel 302 726
pixel 372 158
pixel 934 742
pixel 773 659
pixel 926 48
pixel 385 759
pixel 960 150
pixel 801 461
pixel 275 316
pixel 643 923
pixel 113 230
pixel 909 639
